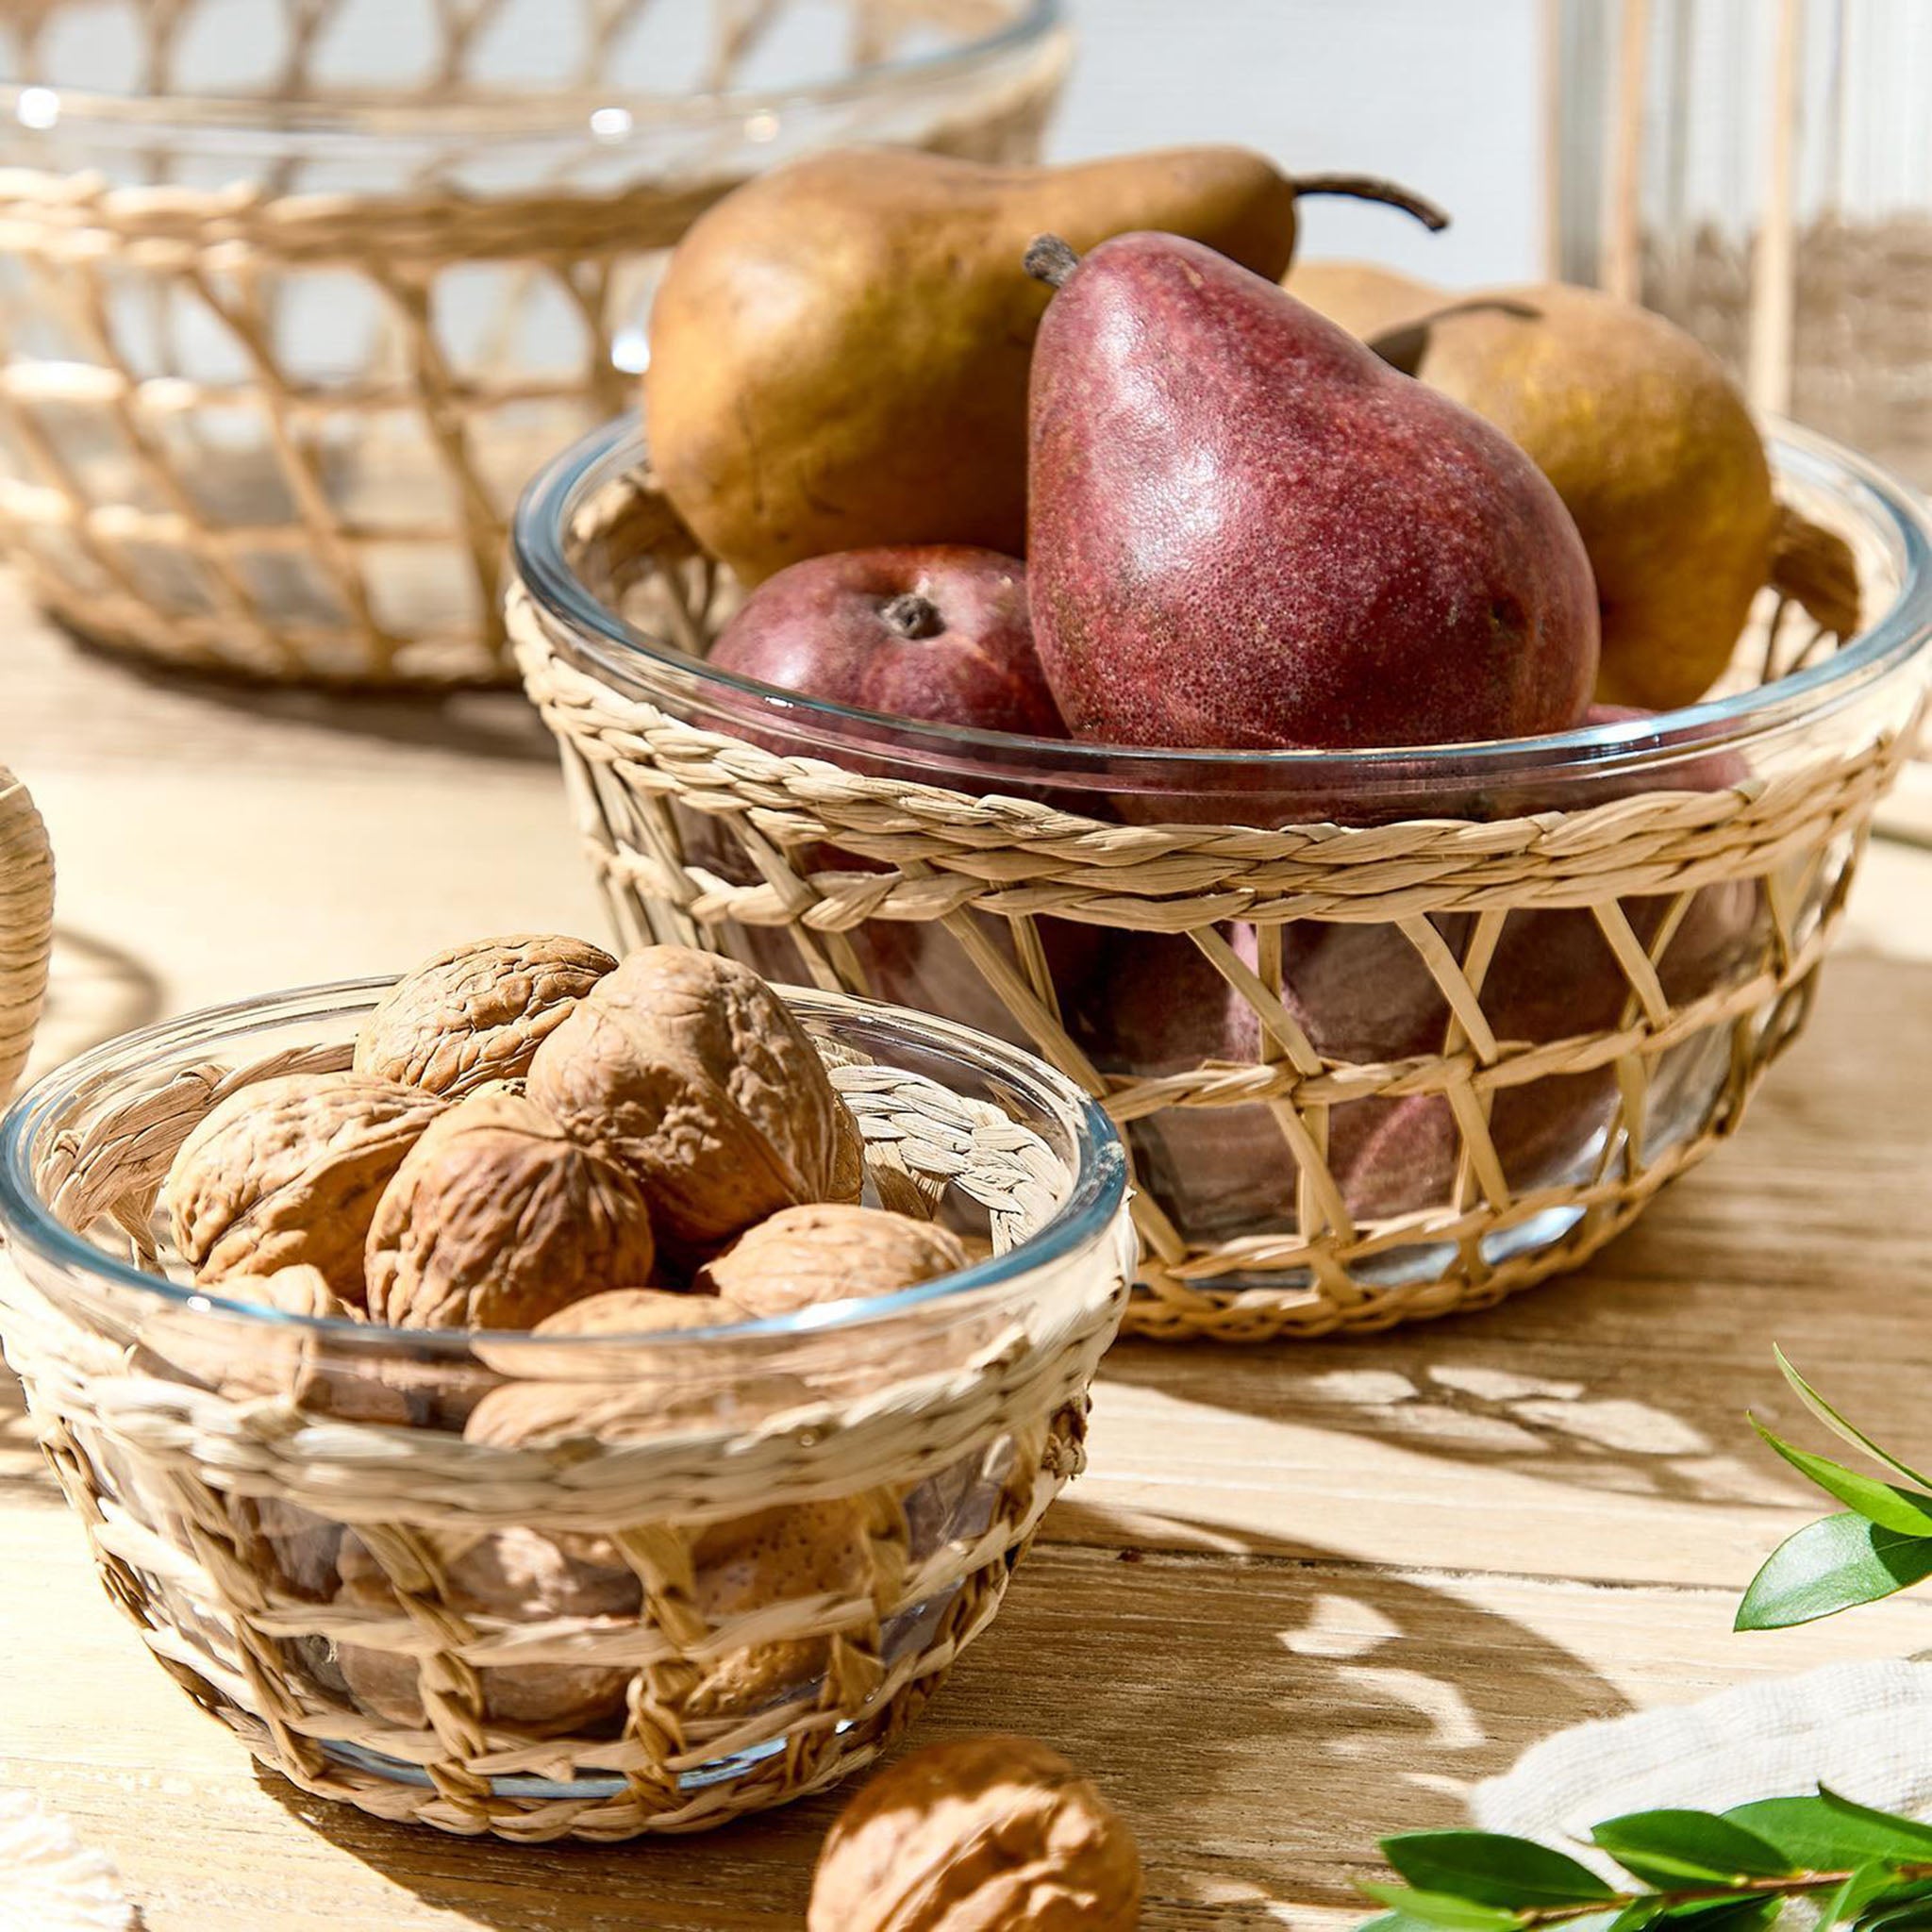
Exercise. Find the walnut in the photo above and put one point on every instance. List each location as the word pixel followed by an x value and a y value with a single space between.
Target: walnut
pixel 514 1576
pixel 990 1834
pixel 477 1013
pixel 288 1171
pixel 294 1364
pixel 828 1252
pixel 792 1550
pixel 619 1394
pixel 696 1075
pixel 498 1218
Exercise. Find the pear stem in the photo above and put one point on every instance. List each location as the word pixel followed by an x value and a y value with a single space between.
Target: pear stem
pixel 1049 259
pixel 913 616
pixel 1373 188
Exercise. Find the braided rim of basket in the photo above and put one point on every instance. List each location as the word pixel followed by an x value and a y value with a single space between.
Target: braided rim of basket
pixel 26 924
pixel 170 1477
pixel 975 864
pixel 85 245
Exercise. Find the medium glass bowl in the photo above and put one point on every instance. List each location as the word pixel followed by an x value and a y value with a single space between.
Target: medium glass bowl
pixel 741 1564
pixel 1434 1027
pixel 295 298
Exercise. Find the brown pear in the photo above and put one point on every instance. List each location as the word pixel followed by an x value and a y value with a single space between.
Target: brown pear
pixel 1648 444
pixel 840 348
pixel 1363 296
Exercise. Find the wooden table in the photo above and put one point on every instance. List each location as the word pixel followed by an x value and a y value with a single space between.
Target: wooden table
pixel 1305 1595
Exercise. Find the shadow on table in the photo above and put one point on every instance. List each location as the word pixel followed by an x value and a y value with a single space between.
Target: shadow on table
pixel 477 723
pixel 1551 1386
pixel 96 990
pixel 1261 1721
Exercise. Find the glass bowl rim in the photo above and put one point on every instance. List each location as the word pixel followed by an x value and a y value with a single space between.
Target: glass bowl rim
pixel 1093 1201
pixel 560 112
pixel 612 451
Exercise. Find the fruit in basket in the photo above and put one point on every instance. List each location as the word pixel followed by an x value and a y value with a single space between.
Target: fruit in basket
pixel 1246 531
pixel 287 1171
pixel 753 1562
pixel 1641 430
pixel 1363 296
pixel 515 1575
pixel 498 1218
pixel 479 1012
pixel 693 1073
pixel 829 1252
pixel 938 632
pixel 838 348
pixel 986 1834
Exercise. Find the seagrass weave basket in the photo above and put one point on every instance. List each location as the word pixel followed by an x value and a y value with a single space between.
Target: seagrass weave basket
pixel 26 924
pixel 295 293
pixel 1391 1033
pixel 730 1576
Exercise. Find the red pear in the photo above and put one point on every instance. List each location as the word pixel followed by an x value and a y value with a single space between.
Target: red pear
pixel 1246 531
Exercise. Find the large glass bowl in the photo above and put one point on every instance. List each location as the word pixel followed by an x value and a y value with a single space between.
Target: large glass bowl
pixel 743 1559
pixel 1391 1031
pixel 296 296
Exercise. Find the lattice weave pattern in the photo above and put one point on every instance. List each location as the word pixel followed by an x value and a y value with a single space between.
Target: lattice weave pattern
pixel 736 1596
pixel 1369 1074
pixel 266 416
pixel 26 924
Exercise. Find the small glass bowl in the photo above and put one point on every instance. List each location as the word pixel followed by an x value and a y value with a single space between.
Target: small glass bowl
pixel 625 1623
pixel 1375 1061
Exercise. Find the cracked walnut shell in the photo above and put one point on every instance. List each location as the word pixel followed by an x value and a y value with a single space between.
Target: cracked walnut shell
pixel 498 1219
pixel 989 1834
pixel 698 1078
pixel 477 1013
pixel 288 1171
pixel 829 1251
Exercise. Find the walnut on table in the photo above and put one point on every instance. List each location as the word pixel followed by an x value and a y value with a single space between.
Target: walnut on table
pixel 287 1171
pixel 988 1834
pixel 498 1219
pixel 692 1072
pixel 479 1012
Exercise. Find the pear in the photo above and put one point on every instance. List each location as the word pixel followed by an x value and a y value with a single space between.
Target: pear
pixel 838 348
pixel 1245 529
pixel 1645 436
pixel 1363 296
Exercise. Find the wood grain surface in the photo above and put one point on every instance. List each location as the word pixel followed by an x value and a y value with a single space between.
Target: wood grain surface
pixel 1306 1594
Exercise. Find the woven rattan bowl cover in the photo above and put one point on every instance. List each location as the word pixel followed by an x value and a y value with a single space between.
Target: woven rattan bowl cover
pixel 26 924
pixel 1594 981
pixel 266 402
pixel 737 1596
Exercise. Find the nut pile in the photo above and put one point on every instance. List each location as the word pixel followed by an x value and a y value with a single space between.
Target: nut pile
pixel 535 1136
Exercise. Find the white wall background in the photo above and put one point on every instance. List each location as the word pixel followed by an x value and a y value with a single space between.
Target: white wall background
pixel 1442 95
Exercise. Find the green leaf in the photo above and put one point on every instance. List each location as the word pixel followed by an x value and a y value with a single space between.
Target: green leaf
pixel 1911 1916
pixel 1669 1849
pixel 1437 1909
pixel 1863 1884
pixel 1908 1512
pixel 1635 1915
pixel 1843 1430
pixel 1828 1834
pixel 1726 1915
pixel 1834 1564
pixel 1493 1869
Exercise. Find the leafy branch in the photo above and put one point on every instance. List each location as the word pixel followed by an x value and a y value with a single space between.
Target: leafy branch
pixel 1880 1542
pixel 1728 1872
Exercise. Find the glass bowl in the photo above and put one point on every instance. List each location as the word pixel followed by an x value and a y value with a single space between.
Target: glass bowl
pixel 1392 1032
pixel 733 1568
pixel 297 298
